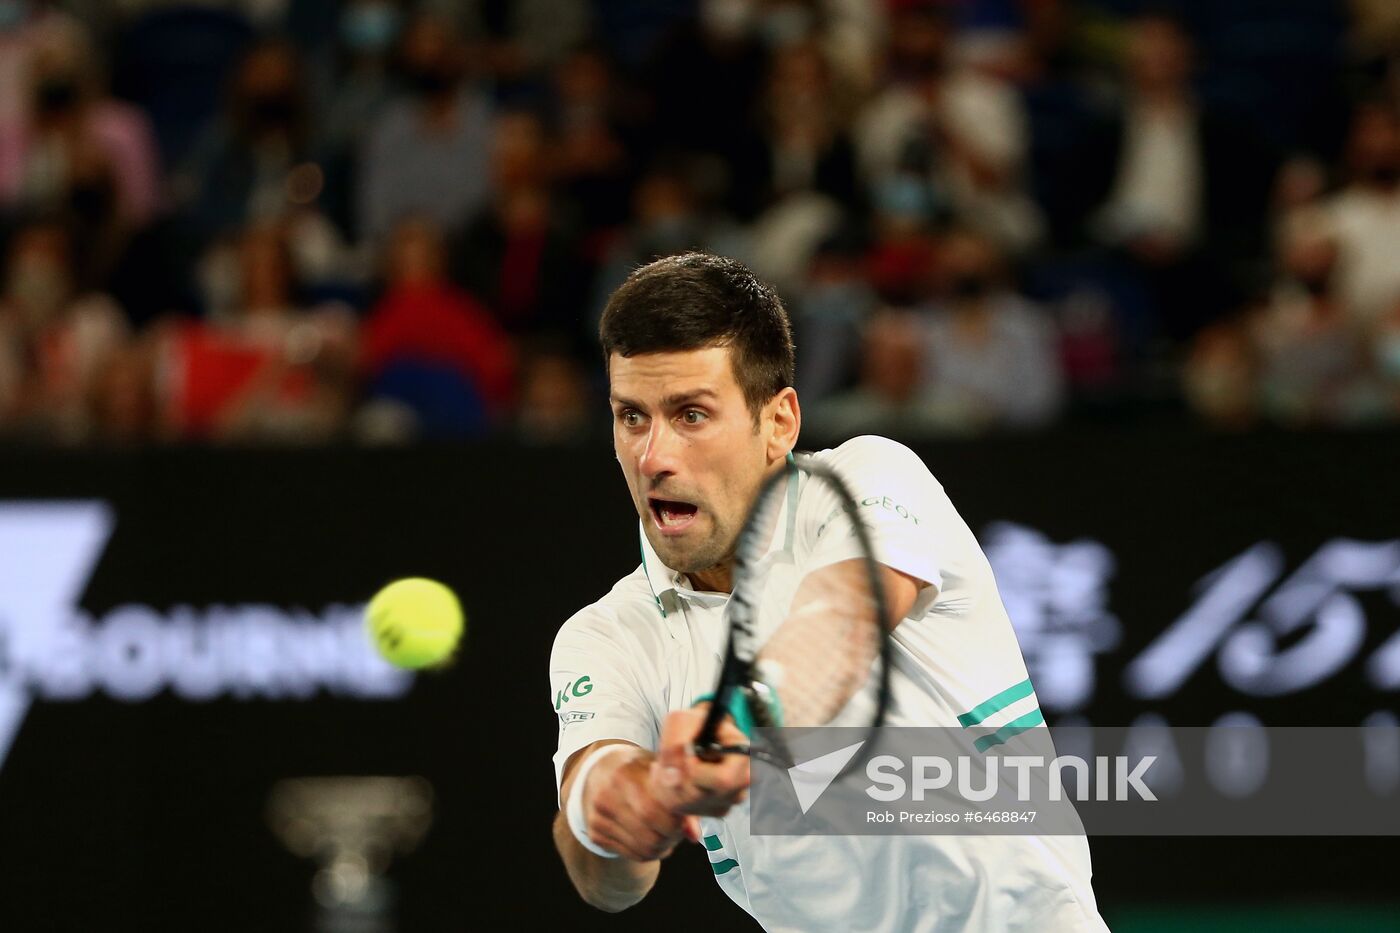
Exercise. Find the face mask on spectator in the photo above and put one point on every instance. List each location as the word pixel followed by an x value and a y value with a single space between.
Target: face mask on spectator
pixel 430 80
pixel 12 13
pixel 970 286
pixel 1385 175
pixel 92 200
pixel 904 196
pixel 272 110
pixel 369 27
pixel 1318 285
pixel 56 94
pixel 916 69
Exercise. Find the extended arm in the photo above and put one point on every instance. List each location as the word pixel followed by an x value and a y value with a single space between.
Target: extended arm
pixel 823 597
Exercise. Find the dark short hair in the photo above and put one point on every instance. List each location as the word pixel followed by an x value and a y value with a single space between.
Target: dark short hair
pixel 698 300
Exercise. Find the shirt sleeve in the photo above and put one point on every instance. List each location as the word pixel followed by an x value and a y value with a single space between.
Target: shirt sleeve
pixel 897 499
pixel 596 689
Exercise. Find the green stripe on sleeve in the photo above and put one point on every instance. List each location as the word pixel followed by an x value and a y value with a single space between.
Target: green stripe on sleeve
pixel 724 866
pixel 1002 700
pixel 1013 728
pixel 712 843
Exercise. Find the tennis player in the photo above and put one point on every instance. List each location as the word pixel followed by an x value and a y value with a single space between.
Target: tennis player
pixel 700 365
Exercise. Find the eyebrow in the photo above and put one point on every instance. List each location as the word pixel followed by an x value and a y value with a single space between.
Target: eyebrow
pixel 674 400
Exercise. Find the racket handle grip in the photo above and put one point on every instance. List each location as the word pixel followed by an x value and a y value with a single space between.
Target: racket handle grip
pixel 741 709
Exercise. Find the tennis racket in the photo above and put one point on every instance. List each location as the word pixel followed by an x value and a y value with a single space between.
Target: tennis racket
pixel 798 653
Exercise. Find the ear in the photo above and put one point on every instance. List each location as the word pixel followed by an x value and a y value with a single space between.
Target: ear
pixel 785 423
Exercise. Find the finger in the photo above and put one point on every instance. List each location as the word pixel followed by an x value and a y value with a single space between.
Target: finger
pixel 724 778
pixel 609 833
pixel 666 823
pixel 638 821
pixel 637 839
pixel 641 808
pixel 730 734
pixel 671 768
pixel 710 789
pixel 677 733
pixel 692 829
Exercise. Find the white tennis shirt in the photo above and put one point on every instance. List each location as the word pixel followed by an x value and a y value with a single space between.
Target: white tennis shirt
pixel 652 644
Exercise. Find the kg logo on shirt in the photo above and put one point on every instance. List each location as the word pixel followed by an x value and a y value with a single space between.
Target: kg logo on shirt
pixel 577 688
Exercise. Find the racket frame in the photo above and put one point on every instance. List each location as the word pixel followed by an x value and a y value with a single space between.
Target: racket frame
pixel 737 675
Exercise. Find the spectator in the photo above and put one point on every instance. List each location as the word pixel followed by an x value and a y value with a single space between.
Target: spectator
pixel 1219 377
pixel 360 84
pixel 518 255
pixel 889 397
pixel 805 181
pixel 903 250
pixel 77 151
pixel 1365 215
pixel 704 80
pixel 803 131
pixel 1308 353
pixel 961 130
pixel 667 218
pixel 1299 187
pixel 246 165
pixel 1186 186
pixel 54 338
pixel 592 162
pixel 268 369
pixel 428 152
pixel 992 358
pixel 555 403
pixel 121 400
pixel 829 312
pixel 72 137
pixel 365 84
pixel 431 345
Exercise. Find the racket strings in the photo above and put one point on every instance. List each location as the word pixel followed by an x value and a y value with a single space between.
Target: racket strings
pixel 822 654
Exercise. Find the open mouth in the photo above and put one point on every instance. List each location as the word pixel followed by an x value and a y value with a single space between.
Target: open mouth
pixel 672 515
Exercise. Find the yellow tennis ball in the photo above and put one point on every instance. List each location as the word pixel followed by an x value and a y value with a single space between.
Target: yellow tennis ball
pixel 415 622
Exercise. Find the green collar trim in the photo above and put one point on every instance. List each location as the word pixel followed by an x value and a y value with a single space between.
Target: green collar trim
pixel 646 572
pixel 793 474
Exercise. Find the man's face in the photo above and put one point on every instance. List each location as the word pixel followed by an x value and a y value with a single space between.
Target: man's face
pixel 690 451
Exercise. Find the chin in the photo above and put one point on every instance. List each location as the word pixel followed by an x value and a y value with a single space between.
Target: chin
pixel 679 558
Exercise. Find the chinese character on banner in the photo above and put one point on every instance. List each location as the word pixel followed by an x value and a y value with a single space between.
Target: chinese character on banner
pixel 1057 597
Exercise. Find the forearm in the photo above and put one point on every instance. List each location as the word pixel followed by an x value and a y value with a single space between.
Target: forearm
pixel 608 884
pixel 831 609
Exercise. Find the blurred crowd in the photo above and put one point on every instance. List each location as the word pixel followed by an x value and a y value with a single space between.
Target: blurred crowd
pixel 301 221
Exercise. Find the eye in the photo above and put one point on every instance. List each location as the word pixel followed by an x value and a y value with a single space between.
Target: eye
pixel 693 416
pixel 630 417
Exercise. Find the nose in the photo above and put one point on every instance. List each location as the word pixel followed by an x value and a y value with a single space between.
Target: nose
pixel 659 455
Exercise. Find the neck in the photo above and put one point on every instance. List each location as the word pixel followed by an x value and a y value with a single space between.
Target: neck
pixel 718 579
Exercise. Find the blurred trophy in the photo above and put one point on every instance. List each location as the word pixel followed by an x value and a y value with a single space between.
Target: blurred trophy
pixel 353 826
